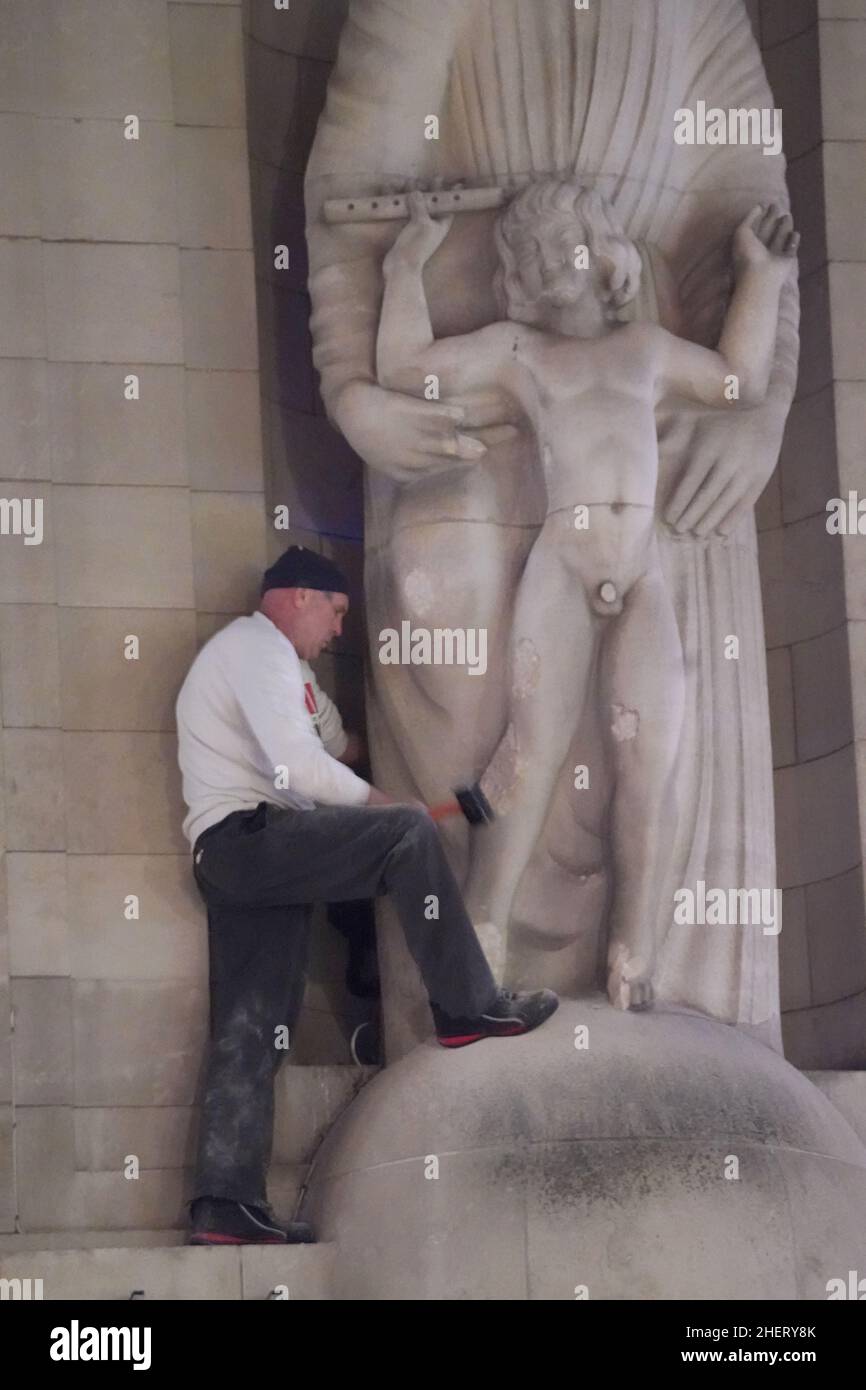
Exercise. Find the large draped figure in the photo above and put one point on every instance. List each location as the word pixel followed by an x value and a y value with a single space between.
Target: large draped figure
pixel 522 88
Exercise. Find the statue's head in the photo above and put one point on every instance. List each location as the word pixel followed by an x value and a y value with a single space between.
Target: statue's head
pixel 565 261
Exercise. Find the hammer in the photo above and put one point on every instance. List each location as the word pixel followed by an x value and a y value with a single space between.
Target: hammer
pixel 470 801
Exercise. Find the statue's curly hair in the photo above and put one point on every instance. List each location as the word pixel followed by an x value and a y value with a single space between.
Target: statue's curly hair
pixel 549 208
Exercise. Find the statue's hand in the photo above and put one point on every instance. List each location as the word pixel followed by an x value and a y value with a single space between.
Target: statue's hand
pixel 765 236
pixel 729 459
pixel 419 239
pixel 409 438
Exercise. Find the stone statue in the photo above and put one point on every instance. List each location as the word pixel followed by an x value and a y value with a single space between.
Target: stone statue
pixel 588 385
pixel 457 494
pixel 594 1159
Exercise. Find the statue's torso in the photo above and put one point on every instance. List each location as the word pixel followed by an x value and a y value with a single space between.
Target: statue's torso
pixel 591 404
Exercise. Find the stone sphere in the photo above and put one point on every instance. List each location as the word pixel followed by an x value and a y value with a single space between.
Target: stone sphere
pixel 660 1155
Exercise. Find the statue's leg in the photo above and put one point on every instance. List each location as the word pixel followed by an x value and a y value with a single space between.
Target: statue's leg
pixel 553 640
pixel 452 575
pixel 609 580
pixel 643 684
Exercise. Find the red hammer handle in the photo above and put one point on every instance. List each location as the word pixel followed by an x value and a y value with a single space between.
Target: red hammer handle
pixel 445 809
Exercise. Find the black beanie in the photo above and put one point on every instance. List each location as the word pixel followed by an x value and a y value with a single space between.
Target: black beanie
pixel 298 568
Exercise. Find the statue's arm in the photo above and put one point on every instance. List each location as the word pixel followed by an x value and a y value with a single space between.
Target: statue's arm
pixel 392 71
pixel 726 461
pixel 764 247
pixel 408 355
pixel 405 336
pixel 407 352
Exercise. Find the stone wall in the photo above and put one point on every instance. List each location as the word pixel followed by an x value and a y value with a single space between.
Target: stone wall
pixel 118 257
pixel 815 583
pixel 155 257
pixel 309 469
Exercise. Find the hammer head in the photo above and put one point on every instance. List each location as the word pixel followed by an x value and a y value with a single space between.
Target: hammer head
pixel 474 805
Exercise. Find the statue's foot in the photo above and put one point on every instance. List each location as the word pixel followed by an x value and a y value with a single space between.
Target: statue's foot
pixel 629 980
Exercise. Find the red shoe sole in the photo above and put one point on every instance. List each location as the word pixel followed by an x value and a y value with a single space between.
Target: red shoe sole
pixel 466 1039
pixel 217 1239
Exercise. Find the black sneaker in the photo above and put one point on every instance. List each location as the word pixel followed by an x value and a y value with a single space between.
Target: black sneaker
pixel 509 1015
pixel 219 1221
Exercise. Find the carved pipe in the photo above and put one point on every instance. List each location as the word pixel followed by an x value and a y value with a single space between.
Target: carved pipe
pixel 393 207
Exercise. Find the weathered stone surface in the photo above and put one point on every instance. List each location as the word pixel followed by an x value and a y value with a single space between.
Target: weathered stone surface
pixel 609 1165
pixel 456 549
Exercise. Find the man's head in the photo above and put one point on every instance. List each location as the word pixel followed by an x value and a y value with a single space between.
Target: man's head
pixel 541 281
pixel 306 597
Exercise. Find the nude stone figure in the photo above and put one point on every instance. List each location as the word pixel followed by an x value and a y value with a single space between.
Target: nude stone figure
pixel 588 385
pixel 525 90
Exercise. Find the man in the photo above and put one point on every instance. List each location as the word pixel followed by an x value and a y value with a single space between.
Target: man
pixel 276 824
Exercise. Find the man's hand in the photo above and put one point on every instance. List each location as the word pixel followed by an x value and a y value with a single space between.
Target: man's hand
pixel 377 798
pixel 765 236
pixel 354 751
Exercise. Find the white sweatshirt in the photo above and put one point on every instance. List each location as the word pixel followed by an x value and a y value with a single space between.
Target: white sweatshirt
pixel 253 725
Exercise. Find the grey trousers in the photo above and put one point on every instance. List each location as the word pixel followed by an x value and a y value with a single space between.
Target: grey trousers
pixel 259 872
